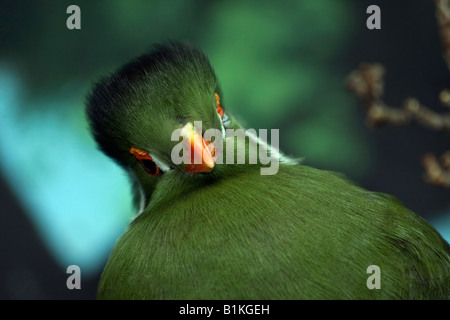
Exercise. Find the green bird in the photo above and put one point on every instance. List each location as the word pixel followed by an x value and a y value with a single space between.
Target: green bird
pixel 210 229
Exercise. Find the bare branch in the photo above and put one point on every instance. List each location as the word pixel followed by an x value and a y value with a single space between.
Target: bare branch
pixel 444 97
pixel 437 172
pixel 367 84
pixel 443 18
pixel 427 117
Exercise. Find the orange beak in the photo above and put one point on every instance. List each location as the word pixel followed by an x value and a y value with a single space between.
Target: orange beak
pixel 202 152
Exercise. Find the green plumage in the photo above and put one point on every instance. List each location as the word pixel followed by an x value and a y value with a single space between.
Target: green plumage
pixel 299 234
pixel 233 233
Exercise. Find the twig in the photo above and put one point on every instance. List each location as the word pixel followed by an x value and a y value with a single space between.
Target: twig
pixel 427 117
pixel 437 172
pixel 444 97
pixel 367 83
pixel 443 19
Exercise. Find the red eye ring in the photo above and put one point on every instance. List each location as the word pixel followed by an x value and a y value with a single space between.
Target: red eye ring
pixel 142 157
pixel 219 109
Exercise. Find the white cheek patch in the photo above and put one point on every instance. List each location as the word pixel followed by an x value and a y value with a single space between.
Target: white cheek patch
pixel 161 164
pixel 274 151
pixel 225 124
pixel 226 121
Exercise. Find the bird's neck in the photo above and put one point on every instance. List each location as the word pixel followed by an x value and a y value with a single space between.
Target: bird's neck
pixel 143 186
pixel 174 183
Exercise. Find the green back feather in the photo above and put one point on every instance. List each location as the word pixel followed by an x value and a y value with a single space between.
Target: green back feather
pixel 300 234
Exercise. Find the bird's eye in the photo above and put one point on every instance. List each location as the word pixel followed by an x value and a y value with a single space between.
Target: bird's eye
pixel 219 108
pixel 150 166
pixel 146 161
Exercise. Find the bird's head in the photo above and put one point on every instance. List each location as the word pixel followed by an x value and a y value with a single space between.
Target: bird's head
pixel 134 112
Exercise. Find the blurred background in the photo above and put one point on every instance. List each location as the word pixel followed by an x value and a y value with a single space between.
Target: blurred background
pixel 281 65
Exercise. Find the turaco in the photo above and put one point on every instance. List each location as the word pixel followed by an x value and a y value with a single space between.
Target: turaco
pixel 213 229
